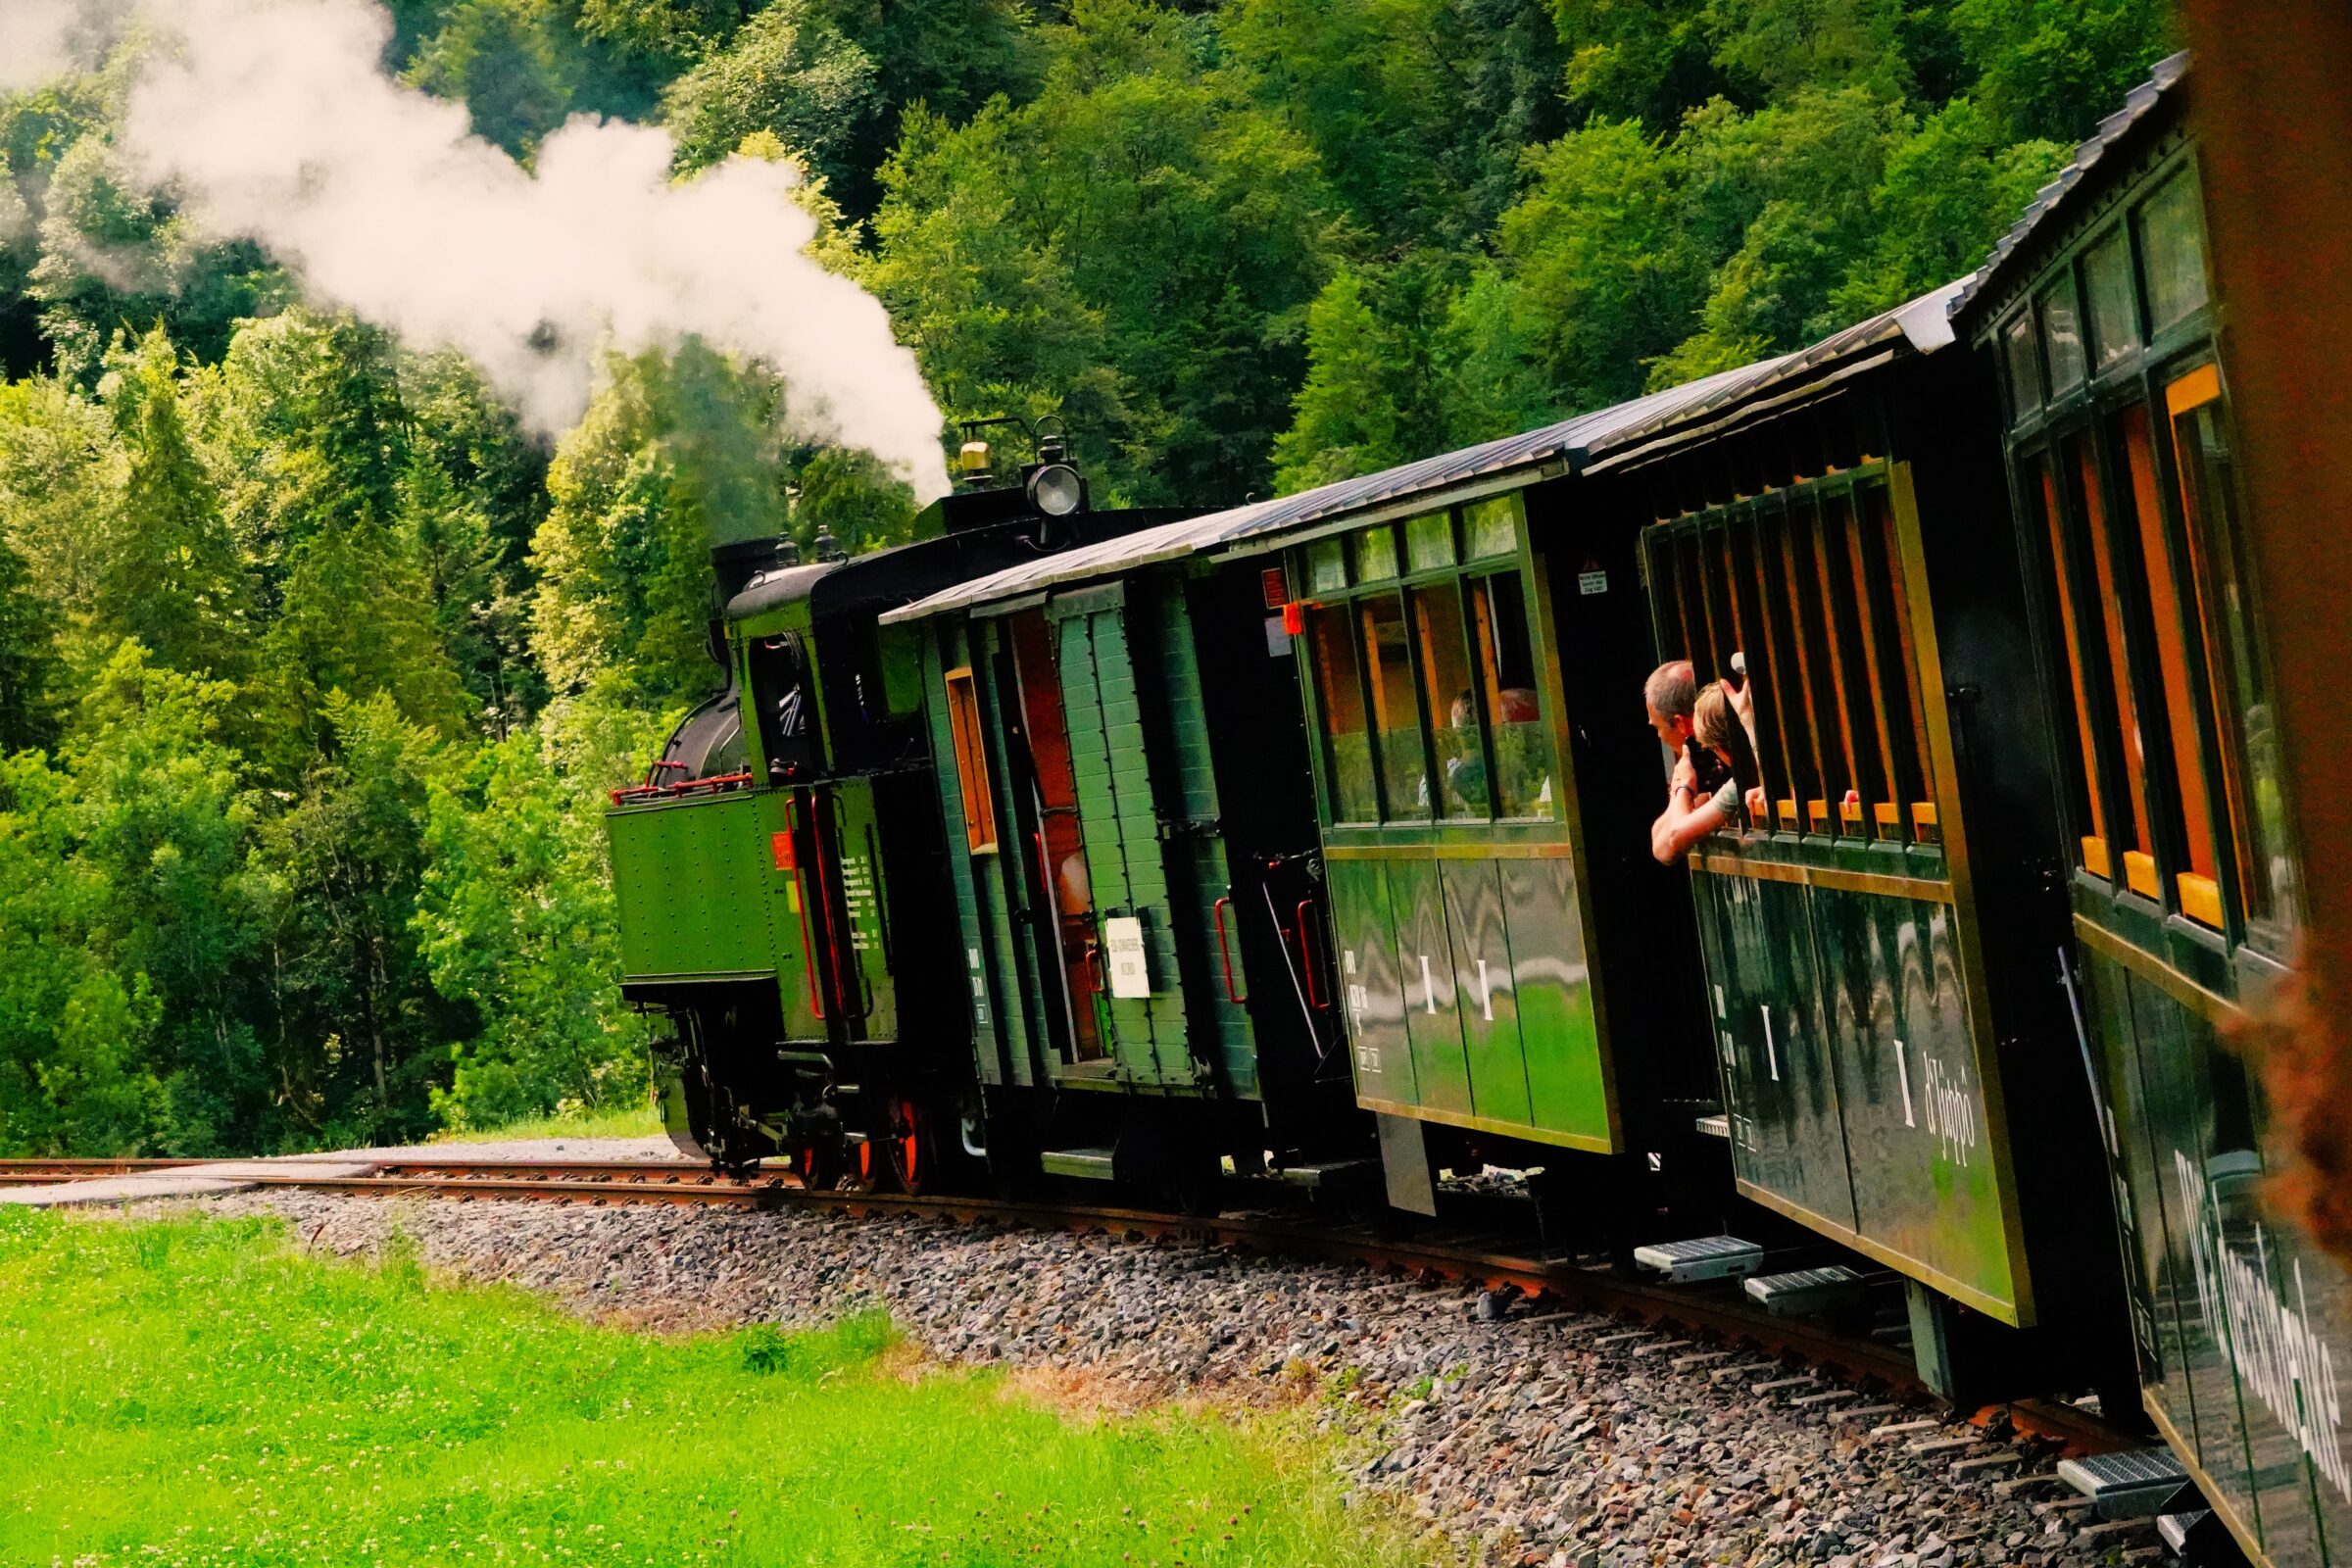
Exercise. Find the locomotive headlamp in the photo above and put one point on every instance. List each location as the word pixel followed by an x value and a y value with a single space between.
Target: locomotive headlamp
pixel 1056 491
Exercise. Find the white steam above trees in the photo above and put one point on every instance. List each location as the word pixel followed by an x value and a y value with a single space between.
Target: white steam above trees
pixel 273 119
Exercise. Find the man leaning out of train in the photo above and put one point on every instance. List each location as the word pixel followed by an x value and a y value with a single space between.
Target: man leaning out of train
pixel 1717 730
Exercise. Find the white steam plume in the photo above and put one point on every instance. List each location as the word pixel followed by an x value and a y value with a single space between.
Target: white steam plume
pixel 271 120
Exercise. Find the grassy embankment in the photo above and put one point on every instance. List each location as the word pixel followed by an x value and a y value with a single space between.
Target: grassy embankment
pixel 203 1393
pixel 625 1121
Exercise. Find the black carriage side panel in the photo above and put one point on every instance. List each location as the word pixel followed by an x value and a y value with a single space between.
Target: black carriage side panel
pixel 1258 743
pixel 1945 415
pixel 1643 938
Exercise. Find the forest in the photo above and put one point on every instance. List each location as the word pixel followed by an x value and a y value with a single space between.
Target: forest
pixel 316 659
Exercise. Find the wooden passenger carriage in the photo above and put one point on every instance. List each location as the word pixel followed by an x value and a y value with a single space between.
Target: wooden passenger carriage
pixel 1897 1059
pixel 2179 863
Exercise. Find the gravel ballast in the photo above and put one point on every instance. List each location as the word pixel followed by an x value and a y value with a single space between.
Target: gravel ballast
pixel 1531 1434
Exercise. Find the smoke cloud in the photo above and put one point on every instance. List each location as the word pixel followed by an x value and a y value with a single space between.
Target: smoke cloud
pixel 271 120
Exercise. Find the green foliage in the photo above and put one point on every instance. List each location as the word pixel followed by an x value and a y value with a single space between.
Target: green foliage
pixel 28 662
pixel 192 1391
pixel 167 571
pixel 1137 246
pixel 340 870
pixel 516 921
pixel 669 459
pixel 2053 68
pixel 790 71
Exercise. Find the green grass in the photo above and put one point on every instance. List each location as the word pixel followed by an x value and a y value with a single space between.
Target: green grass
pixel 205 1393
pixel 625 1121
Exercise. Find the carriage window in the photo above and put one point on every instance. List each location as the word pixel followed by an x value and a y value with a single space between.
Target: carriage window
pixel 2139 861
pixel 2199 895
pixel 1376 555
pixel 2114 312
pixel 971 763
pixel 1326 566
pixel 1831 725
pixel 2252 774
pixel 1804 588
pixel 2172 242
pixel 1491 528
pixel 1906 718
pixel 2062 330
pixel 2073 701
pixel 1453 701
pixel 1346 739
pixel 1506 667
pixel 1396 714
pixel 1429 541
pixel 1784 671
pixel 2025 365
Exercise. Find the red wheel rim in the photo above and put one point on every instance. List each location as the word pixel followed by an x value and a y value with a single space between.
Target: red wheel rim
pixel 906 1133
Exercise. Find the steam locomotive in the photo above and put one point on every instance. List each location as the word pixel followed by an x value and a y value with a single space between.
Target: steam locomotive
pixel 1309 838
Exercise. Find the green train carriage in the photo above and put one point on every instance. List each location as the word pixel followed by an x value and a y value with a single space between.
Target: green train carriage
pixel 2180 872
pixel 1897 1055
pixel 775 871
pixel 1131 850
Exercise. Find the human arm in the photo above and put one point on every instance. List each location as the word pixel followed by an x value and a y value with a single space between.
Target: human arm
pixel 1688 817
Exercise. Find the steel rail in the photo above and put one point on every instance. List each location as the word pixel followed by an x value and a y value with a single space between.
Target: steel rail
pixel 1719 1312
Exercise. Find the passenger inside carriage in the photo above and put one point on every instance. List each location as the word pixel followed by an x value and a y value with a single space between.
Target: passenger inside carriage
pixel 1719 728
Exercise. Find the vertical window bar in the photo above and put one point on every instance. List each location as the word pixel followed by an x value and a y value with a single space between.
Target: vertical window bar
pixel 1855 654
pixel 2140 859
pixel 1808 769
pixel 1772 740
pixel 2172 619
pixel 1882 815
pixel 1831 726
pixel 1898 662
pixel 2090 798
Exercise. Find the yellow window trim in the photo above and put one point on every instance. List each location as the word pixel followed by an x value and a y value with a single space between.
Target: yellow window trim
pixel 2200 898
pixel 1787 813
pixel 2197 388
pixel 2139 873
pixel 2094 857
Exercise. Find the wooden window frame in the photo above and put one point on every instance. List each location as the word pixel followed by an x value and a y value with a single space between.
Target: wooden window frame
pixel 1807 580
pixel 966 733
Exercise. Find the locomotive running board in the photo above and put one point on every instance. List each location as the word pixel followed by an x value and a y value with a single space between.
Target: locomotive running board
pixel 1093 1164
pixel 1702 1258
pixel 2129 1485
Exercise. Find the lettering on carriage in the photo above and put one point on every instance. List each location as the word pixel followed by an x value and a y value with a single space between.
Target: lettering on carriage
pixel 979 987
pixel 1486 991
pixel 1429 986
pixel 2272 1345
pixel 1359 1002
pixel 1950 1105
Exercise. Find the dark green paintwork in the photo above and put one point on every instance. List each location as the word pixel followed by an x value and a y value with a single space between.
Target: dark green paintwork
pixel 1419 906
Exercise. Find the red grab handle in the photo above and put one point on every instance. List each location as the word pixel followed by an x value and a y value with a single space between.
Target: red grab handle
pixel 1224 952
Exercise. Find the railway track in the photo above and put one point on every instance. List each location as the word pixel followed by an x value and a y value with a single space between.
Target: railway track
pixel 1716 1311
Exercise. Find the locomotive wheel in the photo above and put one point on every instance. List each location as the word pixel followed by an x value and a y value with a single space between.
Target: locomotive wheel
pixel 906 1137
pixel 867 1166
pixel 817 1161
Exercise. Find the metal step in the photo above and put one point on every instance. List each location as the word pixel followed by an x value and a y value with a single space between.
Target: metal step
pixel 1093 1164
pixel 1718 1125
pixel 1702 1258
pixel 1335 1175
pixel 1806 1290
pixel 2130 1484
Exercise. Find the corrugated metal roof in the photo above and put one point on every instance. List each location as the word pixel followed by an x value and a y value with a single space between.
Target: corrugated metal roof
pixel 1924 322
pixel 2139 104
pixel 1220 530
